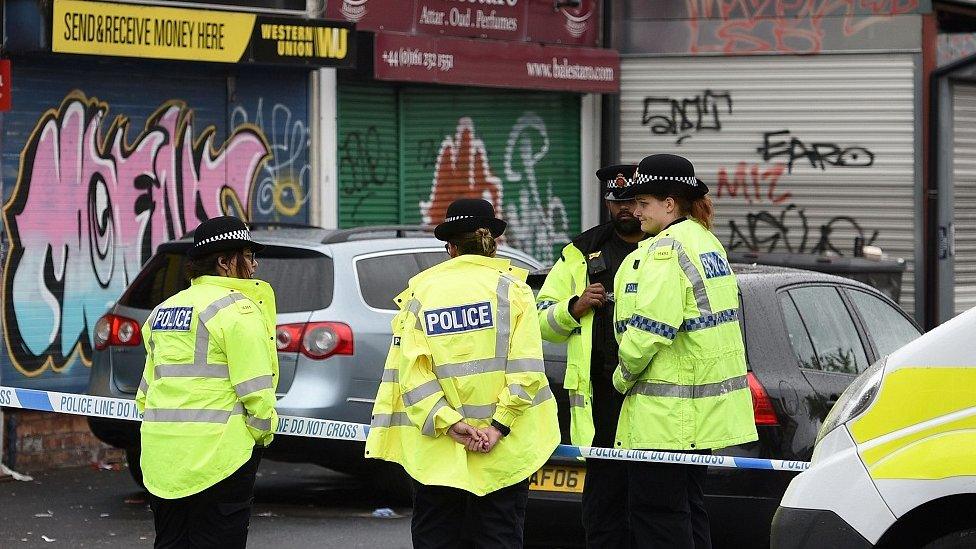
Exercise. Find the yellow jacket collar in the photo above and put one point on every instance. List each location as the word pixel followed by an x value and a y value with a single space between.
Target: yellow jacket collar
pixel 257 290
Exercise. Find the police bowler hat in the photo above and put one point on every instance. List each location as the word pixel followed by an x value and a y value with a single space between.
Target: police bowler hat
pixel 666 175
pixel 615 179
pixel 467 215
pixel 221 234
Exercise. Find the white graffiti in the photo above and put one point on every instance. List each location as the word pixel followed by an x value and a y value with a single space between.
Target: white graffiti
pixel 282 188
pixel 538 220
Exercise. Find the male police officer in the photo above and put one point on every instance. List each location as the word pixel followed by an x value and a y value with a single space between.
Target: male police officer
pixel 575 307
pixel 208 392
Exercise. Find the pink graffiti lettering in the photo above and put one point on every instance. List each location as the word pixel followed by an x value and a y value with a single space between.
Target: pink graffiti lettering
pixel 89 209
pixel 789 26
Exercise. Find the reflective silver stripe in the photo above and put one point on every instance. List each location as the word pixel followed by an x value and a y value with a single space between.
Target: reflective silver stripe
pixel 543 395
pixel 413 307
pixel 572 285
pixel 504 320
pixel 218 371
pixel 551 318
pixel 428 428
pixel 627 375
pixel 578 401
pixel 396 419
pixel 471 367
pixel 215 307
pixel 697 284
pixel 517 390
pixel 259 424
pixel 420 392
pixel 391 375
pixel 472 411
pixel 257 384
pixel 520 365
pixel 191 415
pixel 690 391
pixel 144 386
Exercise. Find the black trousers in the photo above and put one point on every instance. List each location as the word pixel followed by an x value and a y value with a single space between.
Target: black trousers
pixel 667 506
pixel 605 519
pixel 442 516
pixel 217 517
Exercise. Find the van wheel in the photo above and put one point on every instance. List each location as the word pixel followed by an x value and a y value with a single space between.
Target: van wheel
pixel 392 484
pixel 962 539
pixel 132 462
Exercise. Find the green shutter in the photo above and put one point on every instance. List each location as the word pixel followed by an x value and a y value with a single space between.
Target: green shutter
pixel 519 149
pixel 369 179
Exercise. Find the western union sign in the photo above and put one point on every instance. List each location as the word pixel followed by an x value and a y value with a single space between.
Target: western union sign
pixel 153 32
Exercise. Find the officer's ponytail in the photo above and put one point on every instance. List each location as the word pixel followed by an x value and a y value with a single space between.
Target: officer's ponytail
pixel 700 209
pixel 480 242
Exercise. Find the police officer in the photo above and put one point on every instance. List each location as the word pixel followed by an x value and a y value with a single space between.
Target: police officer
pixel 682 360
pixel 208 392
pixel 464 404
pixel 576 306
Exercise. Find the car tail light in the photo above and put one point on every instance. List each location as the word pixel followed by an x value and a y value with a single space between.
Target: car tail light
pixel 316 340
pixel 115 330
pixel 762 406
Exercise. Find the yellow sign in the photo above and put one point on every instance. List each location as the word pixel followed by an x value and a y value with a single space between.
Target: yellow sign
pixel 126 30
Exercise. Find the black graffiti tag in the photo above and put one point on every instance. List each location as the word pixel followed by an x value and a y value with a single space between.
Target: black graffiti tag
pixel 364 164
pixel 820 155
pixel 686 116
pixel 790 231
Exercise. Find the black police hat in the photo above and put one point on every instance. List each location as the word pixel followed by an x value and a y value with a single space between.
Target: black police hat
pixel 466 215
pixel 221 234
pixel 615 179
pixel 666 174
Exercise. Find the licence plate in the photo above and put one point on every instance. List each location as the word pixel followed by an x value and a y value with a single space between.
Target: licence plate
pixel 558 478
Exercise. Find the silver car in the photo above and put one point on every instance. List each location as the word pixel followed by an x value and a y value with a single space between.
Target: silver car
pixel 334 291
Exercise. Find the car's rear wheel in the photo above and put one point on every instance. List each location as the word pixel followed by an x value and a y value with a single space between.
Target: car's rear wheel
pixel 132 461
pixel 961 539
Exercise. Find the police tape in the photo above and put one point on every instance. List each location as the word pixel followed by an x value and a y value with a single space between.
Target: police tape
pixel 124 409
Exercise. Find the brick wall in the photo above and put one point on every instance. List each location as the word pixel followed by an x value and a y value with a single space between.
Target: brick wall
pixel 44 440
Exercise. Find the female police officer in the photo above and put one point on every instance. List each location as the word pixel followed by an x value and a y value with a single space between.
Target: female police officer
pixel 682 362
pixel 464 404
pixel 208 392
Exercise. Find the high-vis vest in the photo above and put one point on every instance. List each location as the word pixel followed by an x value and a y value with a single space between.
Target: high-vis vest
pixel 466 346
pixel 565 281
pixel 208 389
pixel 682 360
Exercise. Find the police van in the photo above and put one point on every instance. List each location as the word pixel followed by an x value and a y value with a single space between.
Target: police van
pixel 895 460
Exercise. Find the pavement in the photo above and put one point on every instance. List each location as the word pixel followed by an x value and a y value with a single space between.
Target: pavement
pixel 296 505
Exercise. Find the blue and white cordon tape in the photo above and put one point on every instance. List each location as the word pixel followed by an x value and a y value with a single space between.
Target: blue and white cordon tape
pixel 118 408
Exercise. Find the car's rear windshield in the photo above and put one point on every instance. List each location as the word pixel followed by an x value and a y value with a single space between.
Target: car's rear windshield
pixel 303 280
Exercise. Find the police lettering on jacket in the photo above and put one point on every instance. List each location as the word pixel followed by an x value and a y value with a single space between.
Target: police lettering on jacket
pixel 462 318
pixel 173 319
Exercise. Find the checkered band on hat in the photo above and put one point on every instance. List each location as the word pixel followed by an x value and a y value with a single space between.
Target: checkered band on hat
pixel 456 217
pixel 232 235
pixel 645 178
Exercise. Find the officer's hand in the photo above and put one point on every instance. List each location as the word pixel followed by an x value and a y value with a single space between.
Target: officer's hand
pixel 594 296
pixel 493 434
pixel 467 436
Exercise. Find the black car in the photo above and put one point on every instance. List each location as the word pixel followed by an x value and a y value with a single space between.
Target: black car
pixel 807 335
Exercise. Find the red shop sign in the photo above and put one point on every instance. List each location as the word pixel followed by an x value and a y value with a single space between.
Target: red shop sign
pixel 517 20
pixel 6 88
pixel 495 63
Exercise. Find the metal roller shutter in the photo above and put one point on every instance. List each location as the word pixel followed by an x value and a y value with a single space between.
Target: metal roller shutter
pixel 369 180
pixel 964 194
pixel 801 153
pixel 520 150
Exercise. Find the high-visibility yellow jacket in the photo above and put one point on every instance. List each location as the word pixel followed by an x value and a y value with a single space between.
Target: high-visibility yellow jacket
pixel 682 359
pixel 567 279
pixel 208 390
pixel 466 346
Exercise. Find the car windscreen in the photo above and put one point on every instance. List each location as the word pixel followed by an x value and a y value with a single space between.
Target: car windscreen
pixel 303 280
